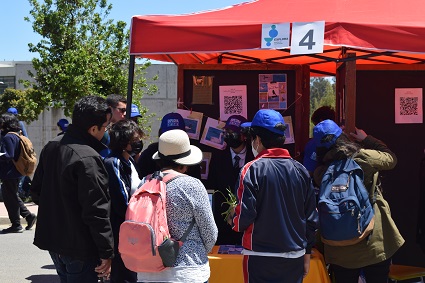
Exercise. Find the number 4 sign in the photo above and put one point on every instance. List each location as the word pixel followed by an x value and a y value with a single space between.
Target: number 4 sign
pixel 307 38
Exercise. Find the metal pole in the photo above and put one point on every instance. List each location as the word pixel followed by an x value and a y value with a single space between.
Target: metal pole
pixel 130 85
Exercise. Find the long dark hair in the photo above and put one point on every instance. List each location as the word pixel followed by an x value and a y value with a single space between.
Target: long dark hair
pixel 9 123
pixel 343 147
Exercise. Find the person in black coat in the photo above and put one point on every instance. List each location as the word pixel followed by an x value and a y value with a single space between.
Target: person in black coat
pixel 224 172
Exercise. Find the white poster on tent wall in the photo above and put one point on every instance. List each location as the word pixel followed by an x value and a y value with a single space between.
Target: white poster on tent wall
pixel 275 36
pixel 408 106
pixel 307 38
pixel 233 101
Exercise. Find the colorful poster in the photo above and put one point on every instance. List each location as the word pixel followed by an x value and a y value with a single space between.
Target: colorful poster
pixel 275 36
pixel 233 101
pixel 213 134
pixel 273 91
pixel 193 122
pixel 408 106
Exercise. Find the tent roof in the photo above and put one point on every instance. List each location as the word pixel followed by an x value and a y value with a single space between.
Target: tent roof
pixel 380 32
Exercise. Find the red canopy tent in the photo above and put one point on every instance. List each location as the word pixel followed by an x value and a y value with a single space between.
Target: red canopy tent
pixel 380 32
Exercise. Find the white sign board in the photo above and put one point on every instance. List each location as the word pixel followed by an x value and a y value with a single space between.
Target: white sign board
pixel 307 38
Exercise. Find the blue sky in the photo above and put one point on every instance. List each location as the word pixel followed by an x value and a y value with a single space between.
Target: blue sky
pixel 16 33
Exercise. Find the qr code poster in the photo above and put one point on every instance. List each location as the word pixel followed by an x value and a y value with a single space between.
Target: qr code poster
pixel 213 134
pixel 192 122
pixel 273 91
pixel 289 132
pixel 233 101
pixel 408 106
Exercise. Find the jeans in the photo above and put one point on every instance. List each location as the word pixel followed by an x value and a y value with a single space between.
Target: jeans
pixel 72 270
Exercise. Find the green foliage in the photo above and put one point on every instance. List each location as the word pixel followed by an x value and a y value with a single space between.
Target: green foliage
pixel 322 93
pixel 81 53
pixel 21 100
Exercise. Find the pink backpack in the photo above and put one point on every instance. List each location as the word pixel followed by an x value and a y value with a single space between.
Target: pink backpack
pixel 145 226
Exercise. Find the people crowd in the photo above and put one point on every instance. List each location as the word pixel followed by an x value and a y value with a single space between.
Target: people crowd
pixel 87 174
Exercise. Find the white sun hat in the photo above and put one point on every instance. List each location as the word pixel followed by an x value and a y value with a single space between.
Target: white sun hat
pixel 175 145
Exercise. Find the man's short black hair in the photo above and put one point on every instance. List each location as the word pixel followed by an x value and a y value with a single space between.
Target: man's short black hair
pixel 269 139
pixel 323 113
pixel 113 99
pixel 90 111
pixel 122 132
pixel 9 123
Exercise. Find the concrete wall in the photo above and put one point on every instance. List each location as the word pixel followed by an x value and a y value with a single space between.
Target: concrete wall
pixel 44 128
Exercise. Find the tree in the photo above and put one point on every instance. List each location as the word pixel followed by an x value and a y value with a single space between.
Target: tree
pixel 81 52
pixel 322 93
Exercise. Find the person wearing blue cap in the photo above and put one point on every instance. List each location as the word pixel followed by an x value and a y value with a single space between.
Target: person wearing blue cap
pixel 14 111
pixel 63 126
pixel 223 174
pixel 170 121
pixel 135 113
pixel 321 114
pixel 276 207
pixel 371 256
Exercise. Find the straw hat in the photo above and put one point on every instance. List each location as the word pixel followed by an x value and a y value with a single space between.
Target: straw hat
pixel 175 145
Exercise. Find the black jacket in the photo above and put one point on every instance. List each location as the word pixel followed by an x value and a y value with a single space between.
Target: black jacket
pixel 222 176
pixel 70 186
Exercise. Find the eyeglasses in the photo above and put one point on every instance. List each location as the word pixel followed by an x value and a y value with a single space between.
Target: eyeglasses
pixel 122 110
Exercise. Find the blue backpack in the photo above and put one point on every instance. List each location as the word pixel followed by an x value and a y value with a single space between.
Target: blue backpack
pixel 345 212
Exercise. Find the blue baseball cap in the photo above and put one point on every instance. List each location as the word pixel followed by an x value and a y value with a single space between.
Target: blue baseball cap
pixel 12 110
pixel 234 123
pixel 268 119
pixel 172 121
pixel 63 124
pixel 135 111
pixel 325 133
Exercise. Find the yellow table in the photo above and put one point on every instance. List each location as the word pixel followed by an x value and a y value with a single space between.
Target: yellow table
pixel 228 268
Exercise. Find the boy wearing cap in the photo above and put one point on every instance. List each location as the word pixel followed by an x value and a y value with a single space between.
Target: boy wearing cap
pixel 276 208
pixel 171 121
pixel 63 126
pixel 224 171
pixel 135 113
pixel 14 111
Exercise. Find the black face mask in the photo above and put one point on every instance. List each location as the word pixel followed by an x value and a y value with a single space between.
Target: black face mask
pixel 136 147
pixel 232 139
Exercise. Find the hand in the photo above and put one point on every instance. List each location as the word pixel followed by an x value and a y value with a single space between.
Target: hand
pixel 359 135
pixel 306 264
pixel 104 268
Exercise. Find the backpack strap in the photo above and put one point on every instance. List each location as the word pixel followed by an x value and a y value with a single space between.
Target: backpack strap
pixel 183 238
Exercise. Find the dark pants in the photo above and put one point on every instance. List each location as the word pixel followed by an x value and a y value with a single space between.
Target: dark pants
pixel 376 273
pixel 72 270
pixel 119 273
pixel 13 203
pixel 265 269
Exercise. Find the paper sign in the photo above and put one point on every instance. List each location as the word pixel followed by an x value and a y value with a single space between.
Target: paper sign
pixel 192 121
pixel 233 101
pixel 214 134
pixel 307 38
pixel 275 36
pixel 408 106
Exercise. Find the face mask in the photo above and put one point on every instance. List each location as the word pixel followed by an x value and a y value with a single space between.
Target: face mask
pixel 254 151
pixel 136 147
pixel 233 140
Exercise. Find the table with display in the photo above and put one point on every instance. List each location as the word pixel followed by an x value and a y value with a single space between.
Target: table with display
pixel 228 268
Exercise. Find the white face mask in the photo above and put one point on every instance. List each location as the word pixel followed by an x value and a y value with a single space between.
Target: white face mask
pixel 254 151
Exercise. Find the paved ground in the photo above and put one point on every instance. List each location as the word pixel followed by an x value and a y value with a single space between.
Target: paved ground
pixel 20 260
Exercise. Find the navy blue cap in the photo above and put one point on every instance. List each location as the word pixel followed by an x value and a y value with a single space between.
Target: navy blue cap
pixel 63 124
pixel 172 121
pixel 234 123
pixel 324 129
pixel 268 119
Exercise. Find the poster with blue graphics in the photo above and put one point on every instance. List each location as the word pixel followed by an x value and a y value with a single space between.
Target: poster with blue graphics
pixel 275 36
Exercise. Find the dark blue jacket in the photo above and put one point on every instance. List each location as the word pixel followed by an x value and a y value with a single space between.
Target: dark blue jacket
pixel 277 206
pixel 11 147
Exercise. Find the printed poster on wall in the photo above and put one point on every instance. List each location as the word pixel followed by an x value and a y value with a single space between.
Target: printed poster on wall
pixel 192 121
pixel 408 106
pixel 289 132
pixel 205 165
pixel 275 36
pixel 202 89
pixel 273 91
pixel 213 134
pixel 232 101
